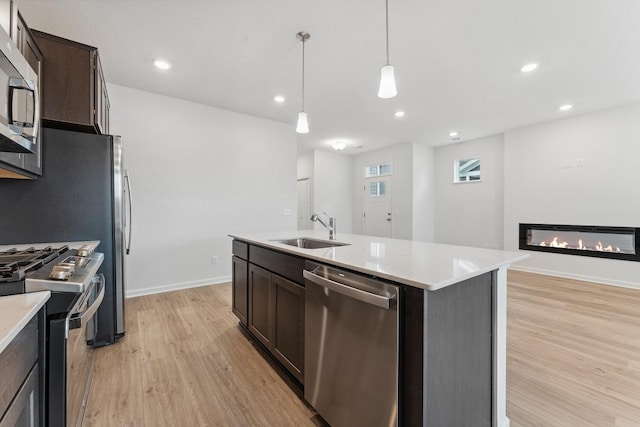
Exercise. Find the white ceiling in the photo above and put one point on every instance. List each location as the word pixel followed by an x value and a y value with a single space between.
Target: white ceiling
pixel 457 62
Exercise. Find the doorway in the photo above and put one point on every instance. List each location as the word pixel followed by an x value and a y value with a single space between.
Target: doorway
pixel 377 217
pixel 304 204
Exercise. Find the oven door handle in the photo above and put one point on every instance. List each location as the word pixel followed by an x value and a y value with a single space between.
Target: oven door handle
pixel 78 318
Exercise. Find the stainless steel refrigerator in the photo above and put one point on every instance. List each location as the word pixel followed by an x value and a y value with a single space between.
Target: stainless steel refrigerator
pixel 84 194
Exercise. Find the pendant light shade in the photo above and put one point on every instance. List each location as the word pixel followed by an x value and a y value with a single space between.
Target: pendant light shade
pixel 387 78
pixel 303 123
pixel 387 83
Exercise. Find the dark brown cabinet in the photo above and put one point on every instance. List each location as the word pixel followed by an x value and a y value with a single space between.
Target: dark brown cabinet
pixel 260 305
pixel 240 281
pixel 269 301
pixel 74 93
pixel 19 396
pixel 288 319
pixel 276 317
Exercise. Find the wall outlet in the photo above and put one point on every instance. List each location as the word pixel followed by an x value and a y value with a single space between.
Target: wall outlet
pixel 214 259
pixel 287 212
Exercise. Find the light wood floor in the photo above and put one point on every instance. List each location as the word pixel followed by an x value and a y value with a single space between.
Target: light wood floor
pixel 573 353
pixel 184 362
pixel 573 360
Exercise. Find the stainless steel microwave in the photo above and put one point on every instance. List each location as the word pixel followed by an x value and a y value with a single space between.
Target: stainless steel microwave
pixel 19 105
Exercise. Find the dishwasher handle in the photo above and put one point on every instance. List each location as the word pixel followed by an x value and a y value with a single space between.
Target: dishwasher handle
pixel 349 291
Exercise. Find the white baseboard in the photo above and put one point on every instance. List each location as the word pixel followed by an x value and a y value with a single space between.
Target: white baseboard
pixel 176 286
pixel 600 280
pixel 506 422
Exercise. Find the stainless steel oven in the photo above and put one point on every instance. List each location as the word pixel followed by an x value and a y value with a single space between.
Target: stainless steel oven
pixel 77 292
pixel 79 357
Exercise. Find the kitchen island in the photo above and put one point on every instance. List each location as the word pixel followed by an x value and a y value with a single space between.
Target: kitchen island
pixel 452 345
pixel 21 350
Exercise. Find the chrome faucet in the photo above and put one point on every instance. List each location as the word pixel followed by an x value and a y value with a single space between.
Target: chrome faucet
pixel 331 226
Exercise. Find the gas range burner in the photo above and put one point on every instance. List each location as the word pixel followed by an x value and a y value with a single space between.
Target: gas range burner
pixel 15 264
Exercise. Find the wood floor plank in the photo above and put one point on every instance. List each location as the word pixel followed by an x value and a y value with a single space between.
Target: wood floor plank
pixel 185 362
pixel 573 359
pixel 572 349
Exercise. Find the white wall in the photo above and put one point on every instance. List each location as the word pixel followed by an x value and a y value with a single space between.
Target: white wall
pixel 470 213
pixel 198 173
pixel 604 191
pixel 305 165
pixel 423 193
pixel 305 171
pixel 333 189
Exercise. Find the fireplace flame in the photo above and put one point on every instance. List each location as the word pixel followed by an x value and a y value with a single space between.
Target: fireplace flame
pixel 564 245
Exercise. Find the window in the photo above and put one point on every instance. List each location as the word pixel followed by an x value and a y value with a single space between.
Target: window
pixel 377 189
pixel 466 170
pixel 378 170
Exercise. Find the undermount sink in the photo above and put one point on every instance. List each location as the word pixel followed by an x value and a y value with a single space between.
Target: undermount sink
pixel 303 242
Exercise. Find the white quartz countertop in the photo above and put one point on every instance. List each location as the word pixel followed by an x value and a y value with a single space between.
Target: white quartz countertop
pixel 15 313
pixel 424 265
pixel 72 245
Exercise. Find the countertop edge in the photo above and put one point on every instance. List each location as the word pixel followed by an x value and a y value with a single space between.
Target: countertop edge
pixel 309 254
pixel 34 301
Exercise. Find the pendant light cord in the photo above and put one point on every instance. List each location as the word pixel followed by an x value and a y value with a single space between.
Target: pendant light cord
pixel 303 40
pixel 387 26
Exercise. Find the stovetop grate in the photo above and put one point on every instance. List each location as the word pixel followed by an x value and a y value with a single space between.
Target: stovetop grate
pixel 15 264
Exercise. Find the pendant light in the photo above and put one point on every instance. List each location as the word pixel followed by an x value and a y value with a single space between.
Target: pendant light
pixel 303 124
pixel 387 78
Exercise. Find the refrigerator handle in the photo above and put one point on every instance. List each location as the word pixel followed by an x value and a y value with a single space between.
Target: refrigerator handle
pixel 127 180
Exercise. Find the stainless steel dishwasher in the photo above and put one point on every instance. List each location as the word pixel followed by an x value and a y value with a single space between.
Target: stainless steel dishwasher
pixel 351 347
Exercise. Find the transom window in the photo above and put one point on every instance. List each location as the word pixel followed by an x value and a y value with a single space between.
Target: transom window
pixel 466 170
pixel 378 170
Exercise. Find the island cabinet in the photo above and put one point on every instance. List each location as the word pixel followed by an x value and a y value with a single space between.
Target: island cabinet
pixel 275 303
pixel 19 392
pixel 240 280
pixel 74 93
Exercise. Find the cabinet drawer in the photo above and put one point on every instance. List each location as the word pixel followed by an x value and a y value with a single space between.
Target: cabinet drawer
pixel 240 249
pixel 16 362
pixel 288 266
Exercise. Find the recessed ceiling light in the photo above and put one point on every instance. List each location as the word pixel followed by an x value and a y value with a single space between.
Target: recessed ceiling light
pixel 529 67
pixel 163 65
pixel 279 98
pixel 453 134
pixel 566 107
pixel 338 145
pixel 399 113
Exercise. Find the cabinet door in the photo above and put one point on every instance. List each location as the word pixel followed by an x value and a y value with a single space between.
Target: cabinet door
pixel 260 304
pixel 240 285
pixel 68 83
pixel 288 340
pixel 23 411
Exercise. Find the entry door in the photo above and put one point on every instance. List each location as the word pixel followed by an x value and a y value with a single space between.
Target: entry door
pixel 377 207
pixel 304 205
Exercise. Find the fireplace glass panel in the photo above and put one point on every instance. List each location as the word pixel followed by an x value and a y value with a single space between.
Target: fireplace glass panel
pixel 621 243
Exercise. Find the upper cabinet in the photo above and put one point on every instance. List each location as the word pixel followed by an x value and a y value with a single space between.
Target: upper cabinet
pixel 74 93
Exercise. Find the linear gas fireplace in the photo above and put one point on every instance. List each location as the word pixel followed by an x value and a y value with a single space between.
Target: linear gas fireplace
pixel 601 242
